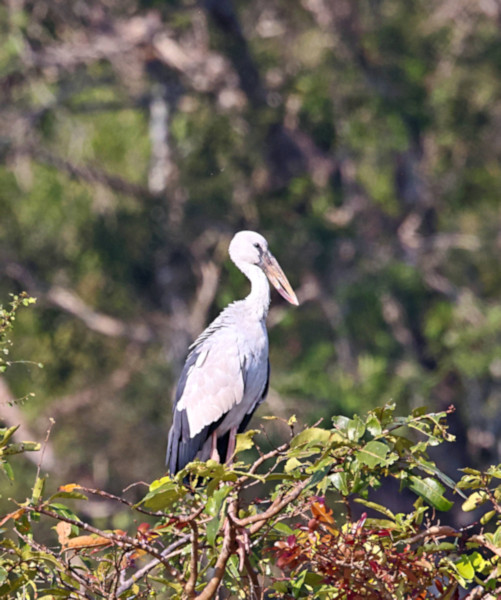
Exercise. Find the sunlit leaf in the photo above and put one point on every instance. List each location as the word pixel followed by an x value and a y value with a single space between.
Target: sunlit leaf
pixel 465 568
pixel 312 435
pixel 475 500
pixel 431 491
pixel 164 495
pixel 340 482
pixel 215 502
pixel 211 530
pixel 291 465
pixel 378 507
pixel 245 441
pixel 72 495
pixel 373 453
pixel 487 517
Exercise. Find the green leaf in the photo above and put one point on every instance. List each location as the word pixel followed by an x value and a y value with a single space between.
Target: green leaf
pixel 21 447
pixel 292 464
pixel 319 475
pixel 487 517
pixel 478 561
pixel 374 425
pixel 49 593
pixel 475 500
pixel 381 524
pixel 3 574
pixel 245 440
pixel 38 489
pixel 355 428
pixel 373 454
pixel 281 586
pixel 430 490
pixel 340 482
pixel 378 507
pixel 163 496
pixel 215 502
pixel 7 469
pixel 7 434
pixel 313 435
pixel 340 422
pixel 283 528
pixel 313 578
pixel 72 495
pixel 211 530
pixel 465 568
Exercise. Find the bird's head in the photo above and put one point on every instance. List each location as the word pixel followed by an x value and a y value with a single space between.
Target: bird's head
pixel 248 247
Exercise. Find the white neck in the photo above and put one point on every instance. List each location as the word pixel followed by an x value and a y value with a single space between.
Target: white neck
pixel 258 300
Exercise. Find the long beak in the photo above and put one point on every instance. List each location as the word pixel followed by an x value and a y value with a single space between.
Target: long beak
pixel 277 278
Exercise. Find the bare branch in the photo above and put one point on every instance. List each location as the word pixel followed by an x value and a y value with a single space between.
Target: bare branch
pixel 121 540
pixel 143 571
pixel 71 303
pixel 227 550
pixel 189 590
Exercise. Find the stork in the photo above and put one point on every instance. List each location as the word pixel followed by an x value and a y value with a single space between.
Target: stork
pixel 226 374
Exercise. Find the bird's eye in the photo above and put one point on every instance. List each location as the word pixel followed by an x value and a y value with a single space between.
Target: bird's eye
pixel 256 245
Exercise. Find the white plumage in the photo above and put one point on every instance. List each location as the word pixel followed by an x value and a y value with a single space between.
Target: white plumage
pixel 226 374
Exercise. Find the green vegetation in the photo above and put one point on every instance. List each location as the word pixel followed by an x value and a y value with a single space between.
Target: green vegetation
pixel 136 137
pixel 212 531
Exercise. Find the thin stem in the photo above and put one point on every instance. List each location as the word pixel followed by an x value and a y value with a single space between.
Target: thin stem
pixel 189 591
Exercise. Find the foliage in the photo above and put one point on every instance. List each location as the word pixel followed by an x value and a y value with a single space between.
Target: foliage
pixel 362 138
pixel 7 319
pixel 207 528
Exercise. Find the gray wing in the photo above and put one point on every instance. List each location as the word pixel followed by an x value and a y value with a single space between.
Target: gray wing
pixel 222 442
pixel 211 384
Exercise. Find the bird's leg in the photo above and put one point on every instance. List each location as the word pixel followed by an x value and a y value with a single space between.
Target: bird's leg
pixel 213 448
pixel 231 444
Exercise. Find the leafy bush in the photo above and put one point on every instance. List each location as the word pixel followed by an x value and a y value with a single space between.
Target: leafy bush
pixel 207 529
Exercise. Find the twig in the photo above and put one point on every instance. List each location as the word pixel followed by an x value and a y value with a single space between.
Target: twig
pixel 143 571
pixel 435 531
pixel 128 503
pixel 44 445
pixel 88 585
pixel 257 592
pixel 189 591
pixel 226 551
pixel 260 461
pixel 260 519
pixel 480 539
pixel 121 540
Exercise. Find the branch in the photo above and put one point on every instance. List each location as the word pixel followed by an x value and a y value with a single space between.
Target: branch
pixel 89 173
pixel 71 303
pixel 256 588
pixel 189 591
pixel 226 551
pixel 260 461
pixel 435 531
pixel 120 540
pixel 143 571
pixel 257 521
pixel 480 539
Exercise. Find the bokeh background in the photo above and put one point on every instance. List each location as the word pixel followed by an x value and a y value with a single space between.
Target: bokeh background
pixel 362 138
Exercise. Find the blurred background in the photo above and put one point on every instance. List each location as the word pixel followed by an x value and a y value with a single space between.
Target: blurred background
pixel 363 139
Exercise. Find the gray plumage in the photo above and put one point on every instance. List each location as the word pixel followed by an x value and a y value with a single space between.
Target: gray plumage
pixel 226 373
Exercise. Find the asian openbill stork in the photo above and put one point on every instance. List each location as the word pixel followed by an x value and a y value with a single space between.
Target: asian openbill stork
pixel 227 371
